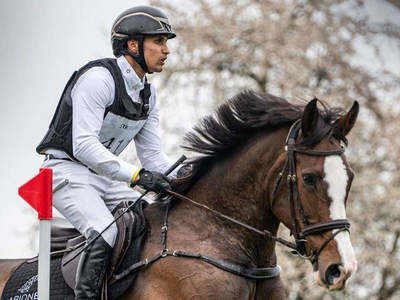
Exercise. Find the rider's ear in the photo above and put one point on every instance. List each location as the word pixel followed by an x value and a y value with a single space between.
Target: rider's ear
pixel 344 124
pixel 132 46
pixel 310 118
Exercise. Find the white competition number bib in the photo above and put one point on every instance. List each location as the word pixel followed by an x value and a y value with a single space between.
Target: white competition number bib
pixel 117 132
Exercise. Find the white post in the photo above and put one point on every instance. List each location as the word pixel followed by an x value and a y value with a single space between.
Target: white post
pixel 44 260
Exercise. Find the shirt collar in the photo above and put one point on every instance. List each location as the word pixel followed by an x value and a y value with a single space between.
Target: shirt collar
pixel 131 79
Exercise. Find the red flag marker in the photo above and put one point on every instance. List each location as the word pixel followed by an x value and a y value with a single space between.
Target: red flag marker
pixel 38 193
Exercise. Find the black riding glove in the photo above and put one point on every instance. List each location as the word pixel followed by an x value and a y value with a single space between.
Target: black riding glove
pixel 152 181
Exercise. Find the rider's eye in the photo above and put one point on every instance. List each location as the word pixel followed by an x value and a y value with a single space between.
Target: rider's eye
pixel 309 179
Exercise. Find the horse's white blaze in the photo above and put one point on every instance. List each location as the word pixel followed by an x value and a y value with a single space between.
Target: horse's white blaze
pixel 337 179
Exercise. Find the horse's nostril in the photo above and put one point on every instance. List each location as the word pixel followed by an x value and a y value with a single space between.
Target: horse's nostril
pixel 332 272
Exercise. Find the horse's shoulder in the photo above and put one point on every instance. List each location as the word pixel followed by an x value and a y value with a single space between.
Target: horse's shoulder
pixel 154 212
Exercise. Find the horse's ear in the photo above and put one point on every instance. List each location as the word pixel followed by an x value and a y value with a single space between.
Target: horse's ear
pixel 344 124
pixel 310 118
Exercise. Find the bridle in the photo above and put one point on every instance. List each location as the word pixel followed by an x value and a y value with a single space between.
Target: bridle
pixel 308 229
pixel 298 246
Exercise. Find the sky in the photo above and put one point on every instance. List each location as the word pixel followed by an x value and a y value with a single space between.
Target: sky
pixel 42 43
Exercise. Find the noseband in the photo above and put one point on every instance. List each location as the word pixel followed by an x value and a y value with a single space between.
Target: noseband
pixel 308 229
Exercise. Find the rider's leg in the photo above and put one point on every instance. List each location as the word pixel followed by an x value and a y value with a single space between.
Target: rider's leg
pixel 81 202
pixel 92 268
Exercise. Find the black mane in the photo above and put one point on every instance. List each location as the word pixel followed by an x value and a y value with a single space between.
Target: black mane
pixel 238 119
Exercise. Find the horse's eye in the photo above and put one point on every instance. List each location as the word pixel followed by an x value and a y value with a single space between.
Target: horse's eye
pixel 309 179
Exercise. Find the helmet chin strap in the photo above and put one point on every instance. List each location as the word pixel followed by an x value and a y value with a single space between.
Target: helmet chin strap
pixel 139 58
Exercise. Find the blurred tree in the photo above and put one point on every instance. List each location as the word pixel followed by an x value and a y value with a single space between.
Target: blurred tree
pixel 298 50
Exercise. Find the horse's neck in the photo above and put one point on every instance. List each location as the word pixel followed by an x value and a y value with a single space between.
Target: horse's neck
pixel 237 187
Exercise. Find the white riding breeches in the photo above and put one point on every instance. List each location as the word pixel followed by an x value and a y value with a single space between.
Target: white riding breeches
pixel 87 200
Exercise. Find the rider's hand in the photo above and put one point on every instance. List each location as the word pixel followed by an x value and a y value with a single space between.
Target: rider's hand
pixel 152 181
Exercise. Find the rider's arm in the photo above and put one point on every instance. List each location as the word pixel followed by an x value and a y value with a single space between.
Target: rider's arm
pixel 92 93
pixel 148 141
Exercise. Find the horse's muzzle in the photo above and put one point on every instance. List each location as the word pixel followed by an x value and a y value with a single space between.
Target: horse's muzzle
pixel 336 276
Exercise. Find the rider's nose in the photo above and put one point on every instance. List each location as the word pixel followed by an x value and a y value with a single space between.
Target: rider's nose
pixel 166 50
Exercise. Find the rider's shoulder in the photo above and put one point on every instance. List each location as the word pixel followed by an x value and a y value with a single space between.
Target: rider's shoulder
pixel 97 73
pixel 94 79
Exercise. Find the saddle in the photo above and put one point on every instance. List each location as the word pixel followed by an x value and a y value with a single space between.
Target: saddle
pixel 132 227
pixel 66 242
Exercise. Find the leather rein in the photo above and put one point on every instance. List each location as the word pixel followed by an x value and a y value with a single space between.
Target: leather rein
pixel 298 246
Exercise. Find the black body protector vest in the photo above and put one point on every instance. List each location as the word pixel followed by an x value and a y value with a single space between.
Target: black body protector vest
pixel 122 120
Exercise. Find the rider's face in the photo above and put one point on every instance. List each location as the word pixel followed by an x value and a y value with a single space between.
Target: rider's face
pixel 155 52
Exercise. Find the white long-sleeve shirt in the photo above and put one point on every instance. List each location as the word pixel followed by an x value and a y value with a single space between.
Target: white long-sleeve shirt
pixel 93 92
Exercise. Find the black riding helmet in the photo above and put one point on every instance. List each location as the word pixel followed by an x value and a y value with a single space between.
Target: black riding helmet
pixel 135 23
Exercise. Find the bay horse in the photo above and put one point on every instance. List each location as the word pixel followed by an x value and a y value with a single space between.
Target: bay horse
pixel 263 161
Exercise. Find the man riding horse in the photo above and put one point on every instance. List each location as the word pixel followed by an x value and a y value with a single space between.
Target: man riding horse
pixel 106 104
